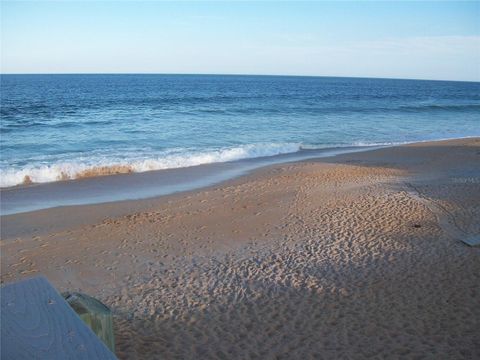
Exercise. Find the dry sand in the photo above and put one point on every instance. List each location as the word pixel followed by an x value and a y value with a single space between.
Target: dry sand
pixel 350 257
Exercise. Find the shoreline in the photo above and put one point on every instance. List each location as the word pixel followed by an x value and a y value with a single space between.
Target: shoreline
pixel 148 184
pixel 303 153
pixel 357 255
pixel 157 183
pixel 13 224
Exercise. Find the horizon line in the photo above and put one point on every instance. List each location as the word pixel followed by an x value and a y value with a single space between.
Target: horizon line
pixel 236 74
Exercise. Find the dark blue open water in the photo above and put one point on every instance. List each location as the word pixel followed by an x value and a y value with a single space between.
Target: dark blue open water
pixel 57 127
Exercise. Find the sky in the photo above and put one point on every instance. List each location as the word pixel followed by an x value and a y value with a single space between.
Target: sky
pixel 419 40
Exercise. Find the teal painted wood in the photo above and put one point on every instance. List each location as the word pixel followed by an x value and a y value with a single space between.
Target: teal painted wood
pixel 37 323
pixel 95 314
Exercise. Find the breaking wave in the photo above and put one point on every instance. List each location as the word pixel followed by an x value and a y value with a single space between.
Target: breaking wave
pixel 75 169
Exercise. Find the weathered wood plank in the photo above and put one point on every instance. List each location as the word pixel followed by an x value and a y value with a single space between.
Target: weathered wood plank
pixel 37 323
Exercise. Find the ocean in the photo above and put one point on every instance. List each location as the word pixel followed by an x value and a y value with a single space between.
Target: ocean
pixel 61 127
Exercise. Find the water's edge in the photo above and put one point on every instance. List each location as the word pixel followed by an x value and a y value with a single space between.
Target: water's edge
pixel 152 184
pixel 146 185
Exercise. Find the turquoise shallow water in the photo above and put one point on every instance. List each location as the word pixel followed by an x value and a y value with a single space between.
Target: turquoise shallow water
pixel 56 127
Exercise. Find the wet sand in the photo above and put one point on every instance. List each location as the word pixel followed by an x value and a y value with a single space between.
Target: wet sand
pixel 353 256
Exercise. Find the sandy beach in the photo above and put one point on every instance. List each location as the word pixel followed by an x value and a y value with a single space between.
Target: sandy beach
pixel 347 257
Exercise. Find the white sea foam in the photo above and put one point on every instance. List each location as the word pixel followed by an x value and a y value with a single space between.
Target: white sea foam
pixel 110 164
pixel 74 169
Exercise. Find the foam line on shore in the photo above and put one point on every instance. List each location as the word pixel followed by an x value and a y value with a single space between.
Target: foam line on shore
pixel 170 159
pixel 101 166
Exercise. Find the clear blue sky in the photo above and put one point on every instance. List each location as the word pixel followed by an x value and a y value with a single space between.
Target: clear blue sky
pixel 427 40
